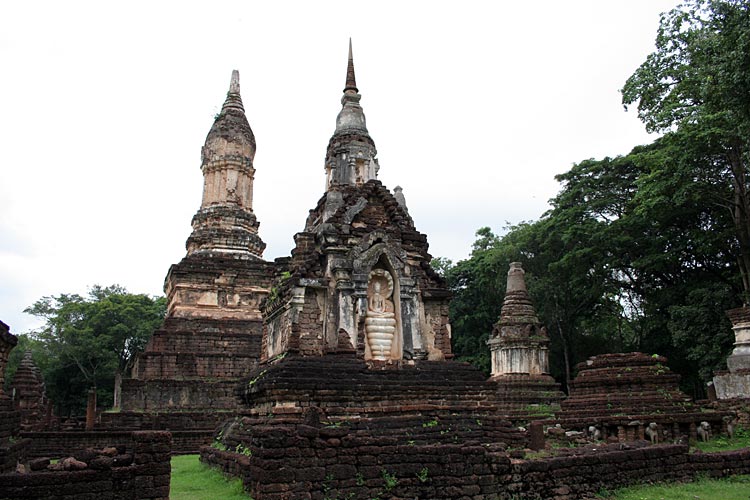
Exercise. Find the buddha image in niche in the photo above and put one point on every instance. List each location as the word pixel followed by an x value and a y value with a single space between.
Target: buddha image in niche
pixel 380 322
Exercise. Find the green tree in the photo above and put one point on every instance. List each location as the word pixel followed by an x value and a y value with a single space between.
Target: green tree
pixel 655 228
pixel 441 265
pixel 98 334
pixel 697 82
pixel 633 255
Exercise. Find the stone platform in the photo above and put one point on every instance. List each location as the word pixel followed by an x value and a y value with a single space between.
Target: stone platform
pixel 621 394
pixel 343 386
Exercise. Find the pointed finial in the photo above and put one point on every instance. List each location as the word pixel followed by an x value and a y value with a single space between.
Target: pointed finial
pixel 516 281
pixel 351 82
pixel 234 101
pixel 234 85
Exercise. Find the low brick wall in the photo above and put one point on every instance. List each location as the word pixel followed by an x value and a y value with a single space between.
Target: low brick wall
pixel 146 476
pixel 375 468
pixel 63 443
pixel 313 467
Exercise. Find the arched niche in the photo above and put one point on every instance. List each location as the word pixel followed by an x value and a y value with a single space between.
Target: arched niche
pixel 383 324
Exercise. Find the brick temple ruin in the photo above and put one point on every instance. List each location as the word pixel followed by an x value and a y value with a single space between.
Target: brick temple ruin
pixel 329 373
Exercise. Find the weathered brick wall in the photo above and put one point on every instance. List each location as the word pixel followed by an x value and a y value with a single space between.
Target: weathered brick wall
pixel 364 468
pixel 170 395
pixel 164 421
pixel 317 467
pixel 140 470
pixel 10 419
pixel 310 338
pixel 344 385
pixel 205 348
pixel 61 444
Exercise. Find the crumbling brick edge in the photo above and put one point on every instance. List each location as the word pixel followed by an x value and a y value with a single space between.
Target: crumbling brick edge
pixel 143 472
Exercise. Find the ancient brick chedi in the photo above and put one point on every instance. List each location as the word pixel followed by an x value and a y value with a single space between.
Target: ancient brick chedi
pixel 29 394
pixel 359 277
pixel 519 347
pixel 519 343
pixel 623 393
pixel 212 333
pixel 356 350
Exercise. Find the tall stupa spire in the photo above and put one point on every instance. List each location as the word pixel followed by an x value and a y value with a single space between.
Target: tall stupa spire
pixel 234 100
pixel 351 81
pixel 351 156
pixel 225 221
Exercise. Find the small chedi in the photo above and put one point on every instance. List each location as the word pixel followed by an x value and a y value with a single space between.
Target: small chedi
pixel 519 346
pixel 621 395
pixel 735 383
pixel 29 395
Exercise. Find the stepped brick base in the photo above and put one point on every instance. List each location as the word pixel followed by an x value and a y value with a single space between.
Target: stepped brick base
pixel 623 393
pixel 193 364
pixel 528 397
pixel 344 386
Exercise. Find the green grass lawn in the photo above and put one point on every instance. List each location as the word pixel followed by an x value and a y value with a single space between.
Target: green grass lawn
pixel 731 488
pixel 741 439
pixel 191 480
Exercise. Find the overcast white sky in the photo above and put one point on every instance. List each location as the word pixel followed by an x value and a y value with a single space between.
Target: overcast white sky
pixel 474 107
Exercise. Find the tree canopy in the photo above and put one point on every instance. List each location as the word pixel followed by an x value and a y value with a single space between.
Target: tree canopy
pixel 697 83
pixel 89 342
pixel 643 251
pixel 630 257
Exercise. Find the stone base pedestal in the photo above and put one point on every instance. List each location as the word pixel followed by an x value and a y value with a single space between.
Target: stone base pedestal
pixel 737 362
pixel 736 382
pixel 730 385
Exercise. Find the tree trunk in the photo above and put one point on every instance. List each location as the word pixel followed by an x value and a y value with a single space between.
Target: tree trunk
pixel 118 391
pixel 566 356
pixel 741 215
pixel 91 409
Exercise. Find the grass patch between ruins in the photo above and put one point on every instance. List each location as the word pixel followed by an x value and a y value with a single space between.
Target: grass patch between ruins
pixel 741 439
pixel 192 480
pixel 731 488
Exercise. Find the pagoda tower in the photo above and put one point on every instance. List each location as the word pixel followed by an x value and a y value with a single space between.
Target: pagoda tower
pixel 225 222
pixel 360 267
pixel 356 335
pixel 29 394
pixel 351 154
pixel 212 332
pixel 519 347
